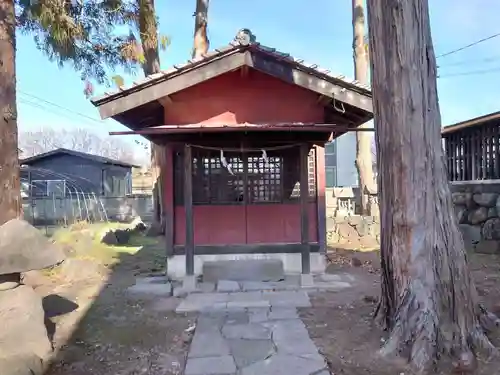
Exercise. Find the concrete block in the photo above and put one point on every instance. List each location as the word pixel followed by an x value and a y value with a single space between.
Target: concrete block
pixel 224 286
pixel 244 270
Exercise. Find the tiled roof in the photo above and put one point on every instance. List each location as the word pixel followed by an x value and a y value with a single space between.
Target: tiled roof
pixel 231 48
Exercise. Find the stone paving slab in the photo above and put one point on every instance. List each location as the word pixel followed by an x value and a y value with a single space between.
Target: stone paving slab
pixel 257 340
pixel 322 282
pixel 243 300
pixel 223 365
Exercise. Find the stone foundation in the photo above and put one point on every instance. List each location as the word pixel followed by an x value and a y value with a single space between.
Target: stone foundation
pixel 477 208
pixel 291 262
pixel 355 231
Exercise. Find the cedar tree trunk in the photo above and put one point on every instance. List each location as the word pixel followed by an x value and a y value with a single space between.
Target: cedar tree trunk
pixel 200 39
pixel 429 301
pixel 149 40
pixel 364 163
pixel 10 194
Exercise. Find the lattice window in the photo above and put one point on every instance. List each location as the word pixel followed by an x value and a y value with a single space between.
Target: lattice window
pixel 264 179
pixel 247 179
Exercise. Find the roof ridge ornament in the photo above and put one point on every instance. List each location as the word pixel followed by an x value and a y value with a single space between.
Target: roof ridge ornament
pixel 245 37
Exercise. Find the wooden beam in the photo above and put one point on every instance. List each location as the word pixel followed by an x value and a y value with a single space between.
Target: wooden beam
pixel 244 71
pixel 165 101
pixel 304 208
pixel 157 89
pixel 188 207
pixel 340 92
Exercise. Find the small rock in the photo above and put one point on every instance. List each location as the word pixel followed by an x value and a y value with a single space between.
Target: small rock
pixel 466 363
pixel 356 262
pixel 370 299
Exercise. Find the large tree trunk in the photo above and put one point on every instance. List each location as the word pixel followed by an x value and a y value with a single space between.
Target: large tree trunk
pixel 200 40
pixel 10 194
pixel 149 41
pixel 429 301
pixel 363 139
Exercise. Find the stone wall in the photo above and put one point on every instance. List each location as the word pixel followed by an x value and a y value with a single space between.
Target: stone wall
pixel 345 201
pixel 477 208
pixel 356 232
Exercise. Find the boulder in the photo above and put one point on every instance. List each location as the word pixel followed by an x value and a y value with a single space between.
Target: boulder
pixel 491 229
pixel 154 230
pixel 485 199
pixel 24 248
pixel 109 238
pixel 478 216
pixel 460 213
pixel 23 320
pixel 123 236
pixel 471 235
pixel 138 225
pixel 462 199
pixel 29 364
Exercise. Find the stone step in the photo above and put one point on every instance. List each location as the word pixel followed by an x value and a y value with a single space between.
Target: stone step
pixel 243 270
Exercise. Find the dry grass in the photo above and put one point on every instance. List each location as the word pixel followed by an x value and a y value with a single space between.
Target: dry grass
pixel 111 331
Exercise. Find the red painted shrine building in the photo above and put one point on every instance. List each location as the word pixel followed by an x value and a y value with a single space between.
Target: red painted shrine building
pixel 243 133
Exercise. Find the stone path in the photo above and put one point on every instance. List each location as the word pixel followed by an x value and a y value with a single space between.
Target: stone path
pixel 250 327
pixel 268 340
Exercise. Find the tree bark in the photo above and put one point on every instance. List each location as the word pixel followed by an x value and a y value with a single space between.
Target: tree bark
pixel 10 194
pixel 364 162
pixel 200 38
pixel 148 29
pixel 429 301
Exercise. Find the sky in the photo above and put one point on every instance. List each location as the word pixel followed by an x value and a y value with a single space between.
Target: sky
pixel 50 96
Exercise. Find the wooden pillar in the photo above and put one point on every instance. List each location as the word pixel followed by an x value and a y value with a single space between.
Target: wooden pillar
pixel 168 168
pixel 304 208
pixel 188 207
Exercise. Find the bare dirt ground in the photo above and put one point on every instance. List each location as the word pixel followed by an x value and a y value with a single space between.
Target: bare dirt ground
pixel 341 324
pixel 98 328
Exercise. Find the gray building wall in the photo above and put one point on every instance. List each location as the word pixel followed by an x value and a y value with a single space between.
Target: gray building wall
pixel 81 175
pixel 340 157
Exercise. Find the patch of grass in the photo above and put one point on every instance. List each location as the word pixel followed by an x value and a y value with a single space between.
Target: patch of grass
pixel 85 243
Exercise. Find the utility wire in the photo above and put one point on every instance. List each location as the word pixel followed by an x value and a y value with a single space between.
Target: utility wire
pixel 61 107
pixel 52 111
pixel 467 46
pixel 464 62
pixel 470 73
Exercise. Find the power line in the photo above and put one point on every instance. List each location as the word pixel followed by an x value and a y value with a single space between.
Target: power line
pixel 470 73
pixel 61 107
pixel 467 46
pixel 50 110
pixel 469 61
